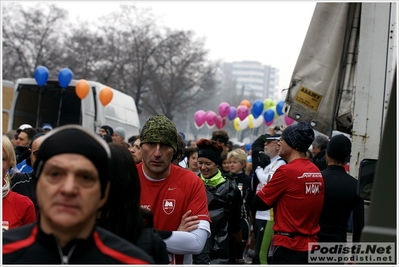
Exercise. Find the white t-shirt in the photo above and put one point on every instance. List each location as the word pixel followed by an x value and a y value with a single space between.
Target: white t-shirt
pixel 264 176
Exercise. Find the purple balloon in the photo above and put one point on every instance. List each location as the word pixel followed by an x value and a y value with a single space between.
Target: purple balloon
pixel 232 113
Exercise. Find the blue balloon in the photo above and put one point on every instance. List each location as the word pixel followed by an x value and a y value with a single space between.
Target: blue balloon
pixel 279 107
pixel 232 113
pixel 257 108
pixel 65 77
pixel 268 115
pixel 41 75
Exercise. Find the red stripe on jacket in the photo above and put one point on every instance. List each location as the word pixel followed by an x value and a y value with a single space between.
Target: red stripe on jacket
pixel 14 246
pixel 114 253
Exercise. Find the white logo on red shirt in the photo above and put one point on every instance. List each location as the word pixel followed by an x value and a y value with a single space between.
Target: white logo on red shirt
pixel 311 175
pixel 312 188
pixel 168 205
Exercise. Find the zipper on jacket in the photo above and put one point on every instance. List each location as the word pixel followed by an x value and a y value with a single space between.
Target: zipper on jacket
pixel 64 258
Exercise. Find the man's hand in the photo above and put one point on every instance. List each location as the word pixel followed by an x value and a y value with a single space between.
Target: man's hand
pixel 188 223
pixel 258 144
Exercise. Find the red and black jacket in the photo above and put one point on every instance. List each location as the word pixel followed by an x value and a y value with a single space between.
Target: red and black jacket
pixel 30 245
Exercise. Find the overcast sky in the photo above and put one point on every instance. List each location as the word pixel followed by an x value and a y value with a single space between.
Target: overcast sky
pixel 270 32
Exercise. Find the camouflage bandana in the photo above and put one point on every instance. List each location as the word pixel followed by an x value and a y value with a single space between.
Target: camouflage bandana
pixel 159 129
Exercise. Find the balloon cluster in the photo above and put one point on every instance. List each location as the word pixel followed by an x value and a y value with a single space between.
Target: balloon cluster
pixel 245 115
pixel 82 87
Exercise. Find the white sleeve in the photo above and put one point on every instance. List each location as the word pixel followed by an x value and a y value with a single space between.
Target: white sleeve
pixel 262 176
pixel 189 242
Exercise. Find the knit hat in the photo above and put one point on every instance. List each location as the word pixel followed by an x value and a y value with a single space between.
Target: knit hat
pixel 75 139
pixel 159 129
pixel 47 126
pixel 120 131
pixel 299 136
pixel 210 152
pixel 339 148
pixel 108 129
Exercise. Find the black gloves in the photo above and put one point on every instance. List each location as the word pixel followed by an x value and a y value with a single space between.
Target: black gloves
pixel 259 158
pixel 259 143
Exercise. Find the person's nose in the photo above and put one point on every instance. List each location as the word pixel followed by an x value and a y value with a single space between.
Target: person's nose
pixel 69 184
pixel 157 152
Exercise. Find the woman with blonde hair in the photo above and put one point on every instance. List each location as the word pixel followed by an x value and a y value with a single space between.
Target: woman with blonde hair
pixel 237 159
pixel 17 209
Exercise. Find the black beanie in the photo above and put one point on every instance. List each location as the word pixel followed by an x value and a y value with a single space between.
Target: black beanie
pixel 210 152
pixel 339 148
pixel 108 129
pixel 299 136
pixel 75 139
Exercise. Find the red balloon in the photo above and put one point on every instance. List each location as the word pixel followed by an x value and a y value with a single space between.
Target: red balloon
pixel 220 122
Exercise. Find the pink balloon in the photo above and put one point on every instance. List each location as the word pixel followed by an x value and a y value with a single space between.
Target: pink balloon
pixel 224 109
pixel 242 112
pixel 220 122
pixel 288 120
pixel 269 123
pixel 199 118
pixel 211 118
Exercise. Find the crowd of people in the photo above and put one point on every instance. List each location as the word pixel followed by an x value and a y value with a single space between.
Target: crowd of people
pixel 71 196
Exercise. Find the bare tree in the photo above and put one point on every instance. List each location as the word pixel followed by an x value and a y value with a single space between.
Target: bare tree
pixel 31 37
pixel 184 76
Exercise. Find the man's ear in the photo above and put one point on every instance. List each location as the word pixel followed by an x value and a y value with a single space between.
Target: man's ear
pixel 105 197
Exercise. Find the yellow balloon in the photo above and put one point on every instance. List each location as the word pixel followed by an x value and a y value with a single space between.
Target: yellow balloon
pixel 236 124
pixel 251 121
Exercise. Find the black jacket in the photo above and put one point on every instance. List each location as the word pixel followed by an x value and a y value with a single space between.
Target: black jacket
pixel 30 245
pixel 340 198
pixel 243 183
pixel 320 160
pixel 25 184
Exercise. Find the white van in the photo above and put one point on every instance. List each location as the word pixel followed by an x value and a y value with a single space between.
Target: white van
pixel 7 95
pixel 89 112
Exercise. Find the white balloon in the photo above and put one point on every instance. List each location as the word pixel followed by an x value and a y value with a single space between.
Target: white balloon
pixel 244 123
pixel 258 121
pixel 209 127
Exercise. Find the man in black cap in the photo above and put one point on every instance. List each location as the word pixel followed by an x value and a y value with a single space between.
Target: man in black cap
pixel 296 194
pixel 106 130
pixel 264 219
pixel 72 167
pixel 340 197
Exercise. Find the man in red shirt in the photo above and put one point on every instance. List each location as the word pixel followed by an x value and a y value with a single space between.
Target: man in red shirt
pixel 296 194
pixel 170 191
